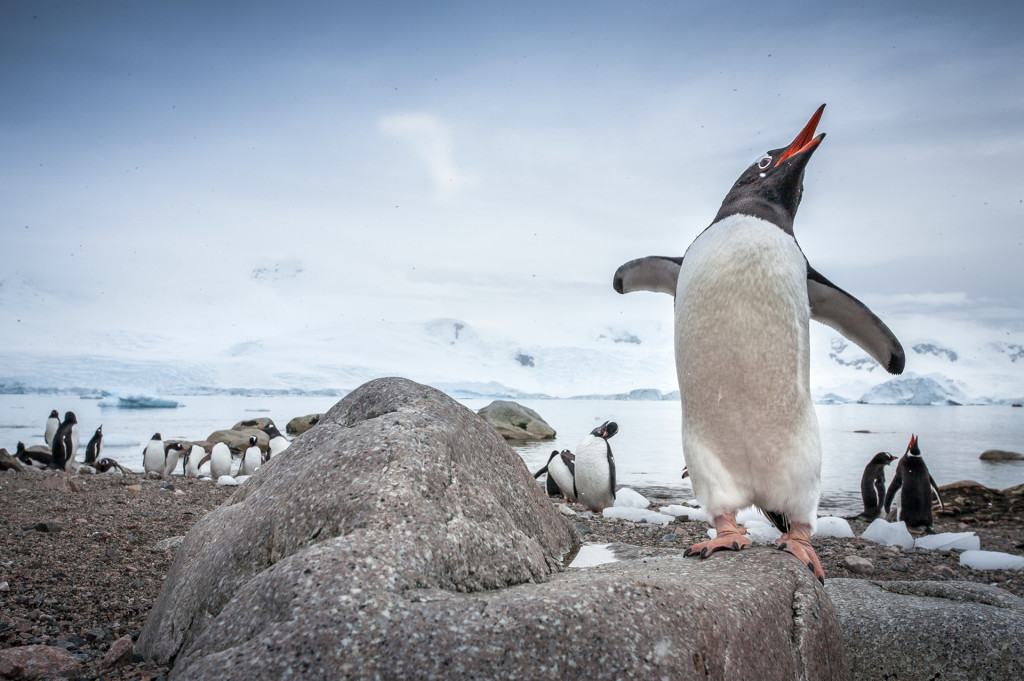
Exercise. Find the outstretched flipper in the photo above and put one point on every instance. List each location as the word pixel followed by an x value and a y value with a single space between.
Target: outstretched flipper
pixel 938 497
pixel 834 307
pixel 654 273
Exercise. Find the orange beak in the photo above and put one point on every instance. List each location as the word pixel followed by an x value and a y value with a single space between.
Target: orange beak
pixel 913 441
pixel 806 140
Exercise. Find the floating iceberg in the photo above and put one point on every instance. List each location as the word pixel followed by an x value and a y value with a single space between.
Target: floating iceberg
pixel 628 498
pixel 638 515
pixel 141 402
pixel 831 526
pixel 947 541
pixel 991 560
pixel 890 534
pixel 593 554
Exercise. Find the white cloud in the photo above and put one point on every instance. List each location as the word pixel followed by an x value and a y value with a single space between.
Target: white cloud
pixel 432 143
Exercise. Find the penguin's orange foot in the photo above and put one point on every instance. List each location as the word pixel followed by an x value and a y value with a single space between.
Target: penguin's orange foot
pixel 798 542
pixel 728 536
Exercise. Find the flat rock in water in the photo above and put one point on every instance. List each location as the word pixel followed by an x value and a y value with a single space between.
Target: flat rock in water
pixel 300 424
pixel 1001 455
pixel 513 421
pixel 402 538
pixel 929 630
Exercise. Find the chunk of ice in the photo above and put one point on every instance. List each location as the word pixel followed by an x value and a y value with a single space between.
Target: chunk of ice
pixel 628 498
pixel 638 515
pixel 226 480
pixel 991 560
pixel 890 534
pixel 692 513
pixel 593 554
pixel 947 541
pixel 832 526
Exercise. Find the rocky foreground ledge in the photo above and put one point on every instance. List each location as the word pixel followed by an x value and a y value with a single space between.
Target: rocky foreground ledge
pixel 437 556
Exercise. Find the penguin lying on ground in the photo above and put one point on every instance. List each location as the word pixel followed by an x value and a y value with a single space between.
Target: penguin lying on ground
pixel 561 471
pixel 744 294
pixel 915 485
pixel 872 485
pixel 106 465
pixel 33 456
pixel 595 468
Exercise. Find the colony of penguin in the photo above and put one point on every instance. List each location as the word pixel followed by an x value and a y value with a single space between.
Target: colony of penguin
pixel 160 459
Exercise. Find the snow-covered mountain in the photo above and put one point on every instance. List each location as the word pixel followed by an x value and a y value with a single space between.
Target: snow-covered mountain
pixel 462 360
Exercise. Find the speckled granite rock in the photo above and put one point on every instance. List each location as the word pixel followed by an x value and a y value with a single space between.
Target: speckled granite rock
pixel 929 630
pixel 38 662
pixel 513 421
pixel 399 489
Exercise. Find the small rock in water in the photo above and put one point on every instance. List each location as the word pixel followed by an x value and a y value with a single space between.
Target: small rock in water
pixel 858 565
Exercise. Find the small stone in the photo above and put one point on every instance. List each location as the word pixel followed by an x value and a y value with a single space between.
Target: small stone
pixel 96 634
pixel 946 572
pixel 169 544
pixel 38 662
pixel 134 488
pixel 111 553
pixel 120 654
pixel 858 565
pixel 583 529
pixel 48 527
pixel 81 521
pixel 668 538
pixel 899 566
pixel 565 510
pixel 4 586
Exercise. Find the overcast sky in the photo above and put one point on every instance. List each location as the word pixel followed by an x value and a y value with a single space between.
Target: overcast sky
pixel 198 167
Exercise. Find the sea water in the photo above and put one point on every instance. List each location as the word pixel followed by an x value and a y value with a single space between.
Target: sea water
pixel 648 450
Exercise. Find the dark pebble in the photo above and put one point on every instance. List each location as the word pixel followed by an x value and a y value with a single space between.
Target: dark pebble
pixel 48 527
pixel 583 529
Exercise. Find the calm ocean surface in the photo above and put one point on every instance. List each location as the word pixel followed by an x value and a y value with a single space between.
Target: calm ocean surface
pixel 647 449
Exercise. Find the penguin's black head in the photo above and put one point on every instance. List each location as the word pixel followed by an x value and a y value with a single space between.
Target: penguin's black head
pixel 912 448
pixel 156 436
pixel 252 440
pixel 54 414
pixel 771 188
pixel 70 417
pixel 99 431
pixel 605 430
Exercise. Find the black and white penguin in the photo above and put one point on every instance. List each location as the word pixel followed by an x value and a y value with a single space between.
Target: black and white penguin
pixel 251 458
pixel 153 457
pixel 278 442
pixel 92 450
pixel 595 468
pixel 74 434
pixel 52 424
pixel 106 465
pixel 561 472
pixel 915 484
pixel 172 452
pixel 220 461
pixel 33 457
pixel 64 445
pixel 192 459
pixel 872 485
pixel 744 294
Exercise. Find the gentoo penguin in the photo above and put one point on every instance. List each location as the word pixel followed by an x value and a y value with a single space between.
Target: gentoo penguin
pixel 172 452
pixel 251 458
pixel 153 457
pixel 92 450
pixel 192 459
pixel 278 442
pixel 52 424
pixel 872 485
pixel 64 445
pixel 35 457
pixel 744 293
pixel 220 461
pixel 917 484
pixel 595 468
pixel 106 465
pixel 561 470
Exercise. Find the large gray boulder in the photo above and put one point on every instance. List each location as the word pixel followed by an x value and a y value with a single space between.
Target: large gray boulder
pixel 929 630
pixel 403 539
pixel 300 424
pixel 513 421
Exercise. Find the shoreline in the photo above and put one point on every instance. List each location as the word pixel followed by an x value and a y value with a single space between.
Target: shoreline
pixel 83 563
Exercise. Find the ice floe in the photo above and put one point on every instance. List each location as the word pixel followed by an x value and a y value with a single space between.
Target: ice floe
pixel 593 554
pixel 638 515
pixel 991 560
pixel 890 534
pixel 227 480
pixel 947 541
pixel 628 498
pixel 832 526
pixel 690 512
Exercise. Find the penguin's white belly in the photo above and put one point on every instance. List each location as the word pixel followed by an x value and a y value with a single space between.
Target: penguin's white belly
pixel 220 461
pixel 562 476
pixel 278 445
pixel 170 463
pixel 593 474
pixel 250 461
pixel 750 434
pixel 153 458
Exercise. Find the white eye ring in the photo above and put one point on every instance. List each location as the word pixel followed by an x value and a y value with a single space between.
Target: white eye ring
pixel 764 162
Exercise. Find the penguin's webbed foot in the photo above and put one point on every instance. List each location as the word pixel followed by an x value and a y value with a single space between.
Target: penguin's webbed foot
pixel 798 542
pixel 729 535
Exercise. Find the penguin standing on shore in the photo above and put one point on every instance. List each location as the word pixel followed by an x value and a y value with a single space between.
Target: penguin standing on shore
pixel 278 442
pixel 252 458
pixel 172 452
pixel 561 473
pixel 595 468
pixel 95 446
pixel 872 485
pixel 52 424
pixel 64 443
pixel 220 460
pixel 153 456
pixel 192 459
pixel 744 295
pixel 915 485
